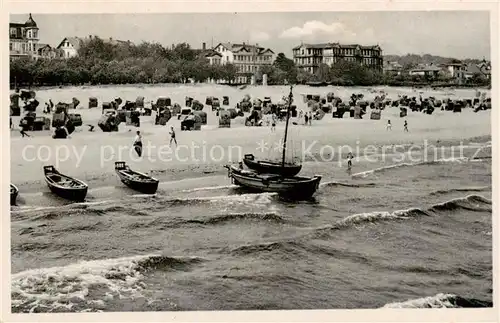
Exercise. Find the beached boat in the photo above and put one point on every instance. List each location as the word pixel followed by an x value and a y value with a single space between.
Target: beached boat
pixel 290 186
pixel 135 180
pixel 14 191
pixel 65 186
pixel 270 167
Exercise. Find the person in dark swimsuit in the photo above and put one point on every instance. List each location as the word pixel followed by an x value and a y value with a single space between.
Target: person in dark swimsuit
pixel 172 136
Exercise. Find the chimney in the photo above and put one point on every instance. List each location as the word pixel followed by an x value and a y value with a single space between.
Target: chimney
pixel 244 44
pixel 204 46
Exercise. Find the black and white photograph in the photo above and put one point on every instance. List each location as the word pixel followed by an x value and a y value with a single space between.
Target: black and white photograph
pixel 250 161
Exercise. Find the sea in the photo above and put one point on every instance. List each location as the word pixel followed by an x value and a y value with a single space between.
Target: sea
pixel 386 235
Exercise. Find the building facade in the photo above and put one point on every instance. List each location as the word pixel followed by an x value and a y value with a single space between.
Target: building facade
pixel 69 46
pixel 248 59
pixel 310 56
pixel 23 39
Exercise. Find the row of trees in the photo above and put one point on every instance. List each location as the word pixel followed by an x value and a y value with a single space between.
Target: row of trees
pixel 103 62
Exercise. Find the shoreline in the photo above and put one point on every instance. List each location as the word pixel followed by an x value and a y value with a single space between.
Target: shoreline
pixel 179 171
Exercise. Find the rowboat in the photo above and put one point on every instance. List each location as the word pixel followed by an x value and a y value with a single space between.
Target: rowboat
pixel 296 187
pixel 135 180
pixel 14 191
pixel 270 167
pixel 65 186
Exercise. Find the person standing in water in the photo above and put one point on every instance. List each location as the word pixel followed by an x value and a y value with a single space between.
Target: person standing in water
pixel 172 136
pixel 349 162
pixel 138 143
pixel 406 126
pixel 389 125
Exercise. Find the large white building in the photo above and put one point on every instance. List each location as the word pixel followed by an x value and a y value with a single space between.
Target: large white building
pixel 247 58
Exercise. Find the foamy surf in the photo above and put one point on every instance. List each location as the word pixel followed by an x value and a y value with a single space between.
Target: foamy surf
pixel 72 287
pixel 476 203
pixel 209 188
pixel 440 300
pixel 400 165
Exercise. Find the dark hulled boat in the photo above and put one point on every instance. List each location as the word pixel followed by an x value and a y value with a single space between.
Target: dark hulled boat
pixel 135 180
pixel 275 177
pixel 65 186
pixel 14 191
pixel 296 187
pixel 270 167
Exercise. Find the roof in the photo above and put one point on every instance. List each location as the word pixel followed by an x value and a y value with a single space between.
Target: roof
pixel 426 69
pixel 30 23
pixel 338 45
pixel 211 53
pixel 15 25
pixel 478 68
pixel 245 47
pixel 74 41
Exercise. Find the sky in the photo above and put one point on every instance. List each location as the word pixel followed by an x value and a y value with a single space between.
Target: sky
pixel 458 34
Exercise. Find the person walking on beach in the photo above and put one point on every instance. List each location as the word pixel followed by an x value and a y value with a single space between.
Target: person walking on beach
pixel 389 125
pixel 138 143
pixel 310 118
pixel 273 123
pixel 306 118
pixel 406 126
pixel 172 136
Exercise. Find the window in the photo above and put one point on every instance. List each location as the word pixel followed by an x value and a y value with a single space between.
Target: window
pixel 35 33
pixel 13 32
pixel 10 46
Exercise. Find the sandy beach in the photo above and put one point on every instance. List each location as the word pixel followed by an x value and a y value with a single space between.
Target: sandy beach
pixel 408 228
pixel 90 156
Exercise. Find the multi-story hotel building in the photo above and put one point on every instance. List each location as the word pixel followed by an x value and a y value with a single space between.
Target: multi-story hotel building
pixel 23 39
pixel 24 42
pixel 310 56
pixel 247 58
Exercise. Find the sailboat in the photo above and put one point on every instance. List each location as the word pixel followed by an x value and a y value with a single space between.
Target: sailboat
pixel 275 177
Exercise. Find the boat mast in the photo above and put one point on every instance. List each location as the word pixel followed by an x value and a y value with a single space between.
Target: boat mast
pixel 290 97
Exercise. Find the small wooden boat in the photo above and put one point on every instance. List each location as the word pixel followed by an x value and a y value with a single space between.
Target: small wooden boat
pixel 269 167
pixel 14 191
pixel 65 186
pixel 296 187
pixel 274 177
pixel 135 180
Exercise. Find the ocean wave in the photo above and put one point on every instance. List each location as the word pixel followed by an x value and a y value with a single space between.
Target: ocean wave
pixel 421 163
pixel 291 246
pixel 161 224
pixel 461 189
pixel 223 218
pixel 334 183
pixel 253 198
pixel 88 285
pixel 209 188
pixel 471 202
pixel 441 301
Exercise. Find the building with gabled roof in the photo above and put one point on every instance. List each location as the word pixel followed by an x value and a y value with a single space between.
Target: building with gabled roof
pixel 70 45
